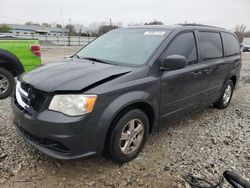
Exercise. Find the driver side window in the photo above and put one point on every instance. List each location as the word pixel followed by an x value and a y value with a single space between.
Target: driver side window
pixel 184 44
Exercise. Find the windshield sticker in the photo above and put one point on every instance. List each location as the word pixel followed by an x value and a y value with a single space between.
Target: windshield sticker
pixel 155 33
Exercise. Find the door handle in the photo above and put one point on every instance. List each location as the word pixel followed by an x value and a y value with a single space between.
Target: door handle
pixel 196 74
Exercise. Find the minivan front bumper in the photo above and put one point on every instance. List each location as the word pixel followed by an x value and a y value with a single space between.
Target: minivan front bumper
pixel 57 135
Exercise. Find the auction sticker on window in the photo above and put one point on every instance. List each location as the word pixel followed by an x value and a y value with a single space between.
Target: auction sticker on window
pixel 155 33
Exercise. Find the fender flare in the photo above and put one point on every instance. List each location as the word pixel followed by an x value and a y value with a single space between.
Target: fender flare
pixel 9 61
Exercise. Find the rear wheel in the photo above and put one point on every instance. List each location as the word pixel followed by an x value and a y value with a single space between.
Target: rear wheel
pixel 7 83
pixel 226 96
pixel 129 136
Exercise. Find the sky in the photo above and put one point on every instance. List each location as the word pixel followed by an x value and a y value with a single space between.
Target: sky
pixel 222 13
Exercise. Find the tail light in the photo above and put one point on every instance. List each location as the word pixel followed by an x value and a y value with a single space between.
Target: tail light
pixel 36 50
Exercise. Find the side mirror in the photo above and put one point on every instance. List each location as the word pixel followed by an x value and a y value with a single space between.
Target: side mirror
pixel 174 62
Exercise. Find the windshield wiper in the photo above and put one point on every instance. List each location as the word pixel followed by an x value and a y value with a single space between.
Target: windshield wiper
pixel 76 56
pixel 97 60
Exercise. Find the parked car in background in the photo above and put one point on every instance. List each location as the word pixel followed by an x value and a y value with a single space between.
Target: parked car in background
pixel 246 48
pixel 112 93
pixel 16 57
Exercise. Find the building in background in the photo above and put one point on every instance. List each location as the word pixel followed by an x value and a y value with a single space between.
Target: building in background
pixel 17 29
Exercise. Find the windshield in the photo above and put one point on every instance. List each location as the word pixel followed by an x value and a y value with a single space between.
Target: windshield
pixel 125 46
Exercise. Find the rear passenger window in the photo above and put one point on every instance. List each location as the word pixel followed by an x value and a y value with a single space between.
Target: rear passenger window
pixel 211 46
pixel 231 45
pixel 184 45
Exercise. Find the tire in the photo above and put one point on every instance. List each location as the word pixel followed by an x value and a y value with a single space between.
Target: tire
pixel 123 150
pixel 226 96
pixel 7 83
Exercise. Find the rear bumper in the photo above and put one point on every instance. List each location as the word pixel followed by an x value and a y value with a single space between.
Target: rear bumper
pixel 57 135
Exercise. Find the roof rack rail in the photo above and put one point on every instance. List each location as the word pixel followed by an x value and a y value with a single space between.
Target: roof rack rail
pixel 201 25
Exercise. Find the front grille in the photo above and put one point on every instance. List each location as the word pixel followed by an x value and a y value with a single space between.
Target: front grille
pixel 24 86
pixel 29 98
pixel 38 99
pixel 25 100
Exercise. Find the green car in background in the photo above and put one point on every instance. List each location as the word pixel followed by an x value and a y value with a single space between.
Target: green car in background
pixel 16 56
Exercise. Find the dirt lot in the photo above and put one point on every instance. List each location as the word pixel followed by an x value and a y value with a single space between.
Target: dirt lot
pixel 204 143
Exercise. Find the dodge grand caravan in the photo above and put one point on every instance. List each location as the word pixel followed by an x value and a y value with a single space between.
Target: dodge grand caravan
pixel 111 94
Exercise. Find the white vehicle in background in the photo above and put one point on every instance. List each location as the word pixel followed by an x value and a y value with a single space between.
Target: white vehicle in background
pixel 246 48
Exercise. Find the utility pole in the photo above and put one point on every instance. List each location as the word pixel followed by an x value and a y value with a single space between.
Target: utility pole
pixel 110 23
pixel 69 31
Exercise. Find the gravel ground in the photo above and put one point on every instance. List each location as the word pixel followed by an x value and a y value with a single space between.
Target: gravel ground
pixel 55 53
pixel 204 143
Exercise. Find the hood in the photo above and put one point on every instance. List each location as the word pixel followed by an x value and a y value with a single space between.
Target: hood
pixel 74 75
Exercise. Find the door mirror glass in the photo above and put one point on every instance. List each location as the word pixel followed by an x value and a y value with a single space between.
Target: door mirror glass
pixel 174 62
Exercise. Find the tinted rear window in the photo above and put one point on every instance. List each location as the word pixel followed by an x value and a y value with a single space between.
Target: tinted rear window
pixel 211 45
pixel 231 45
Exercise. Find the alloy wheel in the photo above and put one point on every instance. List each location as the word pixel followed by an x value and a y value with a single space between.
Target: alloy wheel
pixel 131 136
pixel 227 94
pixel 4 84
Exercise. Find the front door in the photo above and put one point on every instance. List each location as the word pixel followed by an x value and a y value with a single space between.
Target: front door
pixel 181 89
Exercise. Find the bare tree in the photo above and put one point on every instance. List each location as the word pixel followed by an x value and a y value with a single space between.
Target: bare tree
pixel 32 23
pixel 105 28
pixel 155 22
pixel 240 31
pixel 135 24
pixel 55 25
pixel 46 25
pixel 119 24
pixel 29 23
pixel 93 29
pixel 247 34
pixel 72 29
pixel 58 26
pixel 80 29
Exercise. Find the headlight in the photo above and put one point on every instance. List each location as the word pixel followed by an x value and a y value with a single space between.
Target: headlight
pixel 73 105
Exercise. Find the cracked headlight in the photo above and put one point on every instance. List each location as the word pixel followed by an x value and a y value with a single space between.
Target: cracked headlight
pixel 73 105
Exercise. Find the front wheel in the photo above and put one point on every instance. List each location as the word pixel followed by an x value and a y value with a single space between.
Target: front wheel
pixel 226 96
pixel 129 136
pixel 7 83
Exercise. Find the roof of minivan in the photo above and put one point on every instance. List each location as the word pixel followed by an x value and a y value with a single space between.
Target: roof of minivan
pixel 181 26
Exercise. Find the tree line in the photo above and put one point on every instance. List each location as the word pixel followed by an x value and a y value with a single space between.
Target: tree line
pixel 97 29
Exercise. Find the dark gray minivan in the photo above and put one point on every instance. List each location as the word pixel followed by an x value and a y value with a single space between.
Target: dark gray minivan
pixel 111 94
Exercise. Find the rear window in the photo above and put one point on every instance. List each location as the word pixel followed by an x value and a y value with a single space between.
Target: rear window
pixel 211 45
pixel 231 45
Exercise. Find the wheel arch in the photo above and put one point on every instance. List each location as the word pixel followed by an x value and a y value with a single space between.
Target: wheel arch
pixel 143 106
pixel 141 101
pixel 234 79
pixel 10 62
